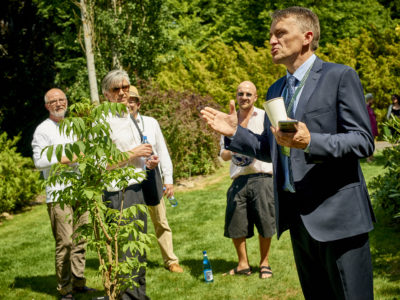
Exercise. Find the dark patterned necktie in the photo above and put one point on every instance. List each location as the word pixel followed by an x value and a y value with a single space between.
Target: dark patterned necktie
pixel 286 163
pixel 291 88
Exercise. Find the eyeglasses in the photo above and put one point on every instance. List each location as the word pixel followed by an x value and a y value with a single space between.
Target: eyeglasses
pixel 52 102
pixel 124 88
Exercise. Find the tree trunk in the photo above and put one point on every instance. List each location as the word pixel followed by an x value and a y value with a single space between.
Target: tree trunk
pixel 116 64
pixel 87 33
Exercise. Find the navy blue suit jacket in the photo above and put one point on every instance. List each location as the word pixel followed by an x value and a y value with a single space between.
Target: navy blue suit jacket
pixel 331 195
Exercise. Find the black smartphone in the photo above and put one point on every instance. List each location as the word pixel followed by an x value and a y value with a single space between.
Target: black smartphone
pixel 288 125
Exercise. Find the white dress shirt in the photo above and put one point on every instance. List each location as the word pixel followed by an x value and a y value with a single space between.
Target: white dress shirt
pixel 125 136
pixel 47 134
pixel 256 124
pixel 150 128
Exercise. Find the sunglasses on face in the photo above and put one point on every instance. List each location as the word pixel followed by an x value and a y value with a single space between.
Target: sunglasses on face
pixel 125 88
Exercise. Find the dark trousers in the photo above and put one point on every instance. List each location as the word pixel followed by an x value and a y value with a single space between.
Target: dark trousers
pixel 339 269
pixel 132 195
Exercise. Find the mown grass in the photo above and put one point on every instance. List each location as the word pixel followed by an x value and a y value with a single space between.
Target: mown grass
pixel 27 253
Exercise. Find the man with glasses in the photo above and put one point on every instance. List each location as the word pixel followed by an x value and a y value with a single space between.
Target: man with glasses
pixel 149 127
pixel 115 87
pixel 70 255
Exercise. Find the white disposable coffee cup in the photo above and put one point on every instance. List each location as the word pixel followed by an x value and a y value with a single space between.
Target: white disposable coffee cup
pixel 276 111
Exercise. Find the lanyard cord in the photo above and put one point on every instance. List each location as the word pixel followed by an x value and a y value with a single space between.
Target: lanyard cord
pixel 302 82
pixel 137 126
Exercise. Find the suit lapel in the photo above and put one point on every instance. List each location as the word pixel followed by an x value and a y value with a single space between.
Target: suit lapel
pixel 276 88
pixel 309 88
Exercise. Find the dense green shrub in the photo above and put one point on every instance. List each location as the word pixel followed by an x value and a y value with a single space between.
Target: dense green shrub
pixel 386 187
pixel 192 145
pixel 376 59
pixel 19 183
pixel 219 69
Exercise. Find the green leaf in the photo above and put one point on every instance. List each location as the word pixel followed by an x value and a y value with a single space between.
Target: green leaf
pixel 69 152
pixel 75 149
pixel 81 124
pixel 59 151
pixel 81 146
pixel 88 193
pixel 49 152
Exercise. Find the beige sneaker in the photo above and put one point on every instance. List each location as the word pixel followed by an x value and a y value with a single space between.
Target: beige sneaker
pixel 175 268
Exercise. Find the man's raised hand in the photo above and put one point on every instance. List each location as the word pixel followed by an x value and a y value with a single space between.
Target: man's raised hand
pixel 225 124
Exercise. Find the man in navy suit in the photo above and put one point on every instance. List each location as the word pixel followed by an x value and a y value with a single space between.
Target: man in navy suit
pixel 320 192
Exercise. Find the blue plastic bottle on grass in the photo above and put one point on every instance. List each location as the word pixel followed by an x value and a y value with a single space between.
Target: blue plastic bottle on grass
pixel 208 274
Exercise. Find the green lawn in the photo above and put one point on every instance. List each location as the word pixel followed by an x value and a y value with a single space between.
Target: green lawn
pixel 27 254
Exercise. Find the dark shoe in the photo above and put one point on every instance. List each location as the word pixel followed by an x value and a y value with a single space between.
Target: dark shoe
pixel 68 296
pixel 246 272
pixel 265 270
pixel 84 289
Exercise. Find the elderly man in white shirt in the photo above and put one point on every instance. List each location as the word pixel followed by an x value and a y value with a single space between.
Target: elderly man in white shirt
pixel 250 197
pixel 70 255
pixel 115 87
pixel 149 127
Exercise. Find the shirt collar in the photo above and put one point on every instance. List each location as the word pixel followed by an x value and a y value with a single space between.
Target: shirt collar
pixel 302 70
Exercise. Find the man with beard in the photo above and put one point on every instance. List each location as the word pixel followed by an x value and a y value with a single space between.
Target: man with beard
pixel 250 197
pixel 70 255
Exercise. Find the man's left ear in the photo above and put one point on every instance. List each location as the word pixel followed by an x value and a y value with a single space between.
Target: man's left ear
pixel 308 37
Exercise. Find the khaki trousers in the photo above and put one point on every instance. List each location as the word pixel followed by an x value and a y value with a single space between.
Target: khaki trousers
pixel 70 255
pixel 163 232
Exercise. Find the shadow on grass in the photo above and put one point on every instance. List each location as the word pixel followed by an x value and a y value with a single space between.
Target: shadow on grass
pixel 47 285
pixel 92 263
pixel 219 266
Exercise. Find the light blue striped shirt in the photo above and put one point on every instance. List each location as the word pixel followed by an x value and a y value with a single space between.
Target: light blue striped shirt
pixel 299 74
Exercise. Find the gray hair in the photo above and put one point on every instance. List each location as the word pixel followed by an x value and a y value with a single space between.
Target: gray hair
pixel 307 20
pixel 113 78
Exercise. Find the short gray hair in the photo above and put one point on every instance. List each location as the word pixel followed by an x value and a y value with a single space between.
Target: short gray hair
pixel 112 78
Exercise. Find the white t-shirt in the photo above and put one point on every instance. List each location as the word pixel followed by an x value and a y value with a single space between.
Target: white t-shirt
pixel 256 124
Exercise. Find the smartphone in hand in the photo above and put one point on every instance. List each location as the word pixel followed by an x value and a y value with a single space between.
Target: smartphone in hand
pixel 288 125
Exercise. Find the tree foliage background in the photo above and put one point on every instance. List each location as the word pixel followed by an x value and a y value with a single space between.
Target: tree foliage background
pixel 185 47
